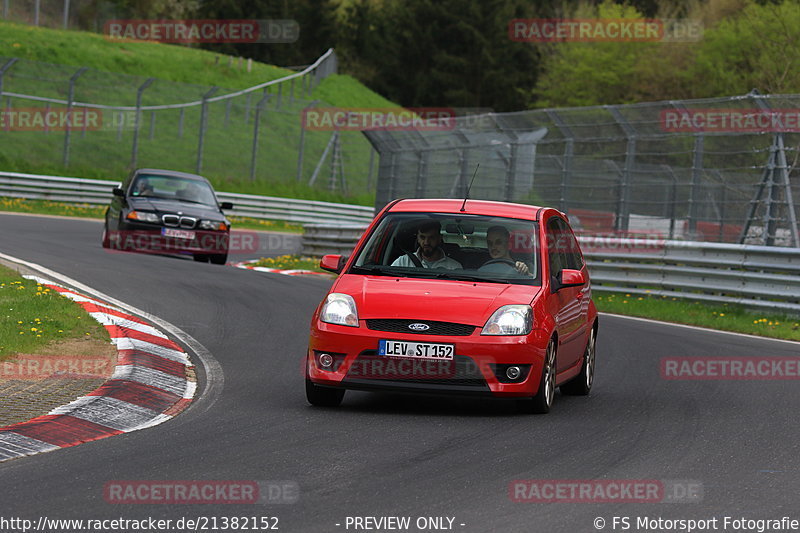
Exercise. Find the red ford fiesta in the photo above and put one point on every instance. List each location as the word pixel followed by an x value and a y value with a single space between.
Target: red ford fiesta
pixel 457 297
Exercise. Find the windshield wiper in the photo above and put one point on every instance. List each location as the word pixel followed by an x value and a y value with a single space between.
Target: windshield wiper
pixel 394 271
pixel 467 277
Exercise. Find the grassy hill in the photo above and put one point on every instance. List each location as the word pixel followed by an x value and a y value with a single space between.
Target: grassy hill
pixel 116 69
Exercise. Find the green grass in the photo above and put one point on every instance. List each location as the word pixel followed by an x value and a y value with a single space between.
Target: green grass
pixel 182 74
pixel 288 262
pixel 32 316
pixel 43 207
pixel 137 58
pixel 721 316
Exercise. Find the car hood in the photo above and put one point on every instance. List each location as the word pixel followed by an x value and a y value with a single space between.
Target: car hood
pixel 160 205
pixel 463 302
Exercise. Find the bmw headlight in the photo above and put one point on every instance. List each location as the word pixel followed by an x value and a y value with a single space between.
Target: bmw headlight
pixel 509 320
pixel 339 309
pixel 213 225
pixel 144 216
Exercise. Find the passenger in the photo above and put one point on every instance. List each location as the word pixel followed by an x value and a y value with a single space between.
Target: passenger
pixel 500 260
pixel 429 252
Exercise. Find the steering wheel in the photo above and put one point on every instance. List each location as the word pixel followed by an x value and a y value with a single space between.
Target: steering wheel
pixel 503 260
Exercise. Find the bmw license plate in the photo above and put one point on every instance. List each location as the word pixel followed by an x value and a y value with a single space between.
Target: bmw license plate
pixel 417 350
pixel 177 233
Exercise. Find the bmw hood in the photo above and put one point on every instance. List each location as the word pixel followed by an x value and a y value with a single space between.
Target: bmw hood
pixel 463 302
pixel 161 206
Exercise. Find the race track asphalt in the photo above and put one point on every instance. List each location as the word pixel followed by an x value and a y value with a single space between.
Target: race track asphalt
pixel 395 455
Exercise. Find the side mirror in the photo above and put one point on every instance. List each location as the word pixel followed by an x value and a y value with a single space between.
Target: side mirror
pixel 571 278
pixel 332 263
pixel 226 205
pixel 118 192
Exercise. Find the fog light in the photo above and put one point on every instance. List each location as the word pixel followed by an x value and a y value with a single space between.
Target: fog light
pixel 513 373
pixel 325 360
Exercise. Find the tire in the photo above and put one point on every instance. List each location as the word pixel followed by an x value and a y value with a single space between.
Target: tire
pixel 323 396
pixel 200 258
pixel 218 259
pixel 582 383
pixel 541 403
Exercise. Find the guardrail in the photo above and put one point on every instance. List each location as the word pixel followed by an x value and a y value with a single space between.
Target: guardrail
pixel 98 192
pixel 759 277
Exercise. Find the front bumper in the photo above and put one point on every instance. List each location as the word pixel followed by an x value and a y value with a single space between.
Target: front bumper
pixel 474 370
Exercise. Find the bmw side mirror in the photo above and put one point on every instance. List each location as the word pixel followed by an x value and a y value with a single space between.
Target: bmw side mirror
pixel 226 205
pixel 118 192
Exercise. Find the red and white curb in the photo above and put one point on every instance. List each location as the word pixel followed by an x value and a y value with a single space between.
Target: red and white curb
pixel 289 272
pixel 151 384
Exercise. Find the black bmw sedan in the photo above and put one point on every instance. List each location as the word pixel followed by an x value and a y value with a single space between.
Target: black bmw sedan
pixel 168 212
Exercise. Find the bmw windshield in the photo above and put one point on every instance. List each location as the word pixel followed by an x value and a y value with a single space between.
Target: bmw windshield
pixel 452 246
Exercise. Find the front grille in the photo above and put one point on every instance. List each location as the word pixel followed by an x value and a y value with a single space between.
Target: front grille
pixel 188 222
pixel 436 328
pixel 461 370
pixel 176 221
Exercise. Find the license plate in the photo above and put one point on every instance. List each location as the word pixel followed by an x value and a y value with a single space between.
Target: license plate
pixel 177 233
pixel 417 350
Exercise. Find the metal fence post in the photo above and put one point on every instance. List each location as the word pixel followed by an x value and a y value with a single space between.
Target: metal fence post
pixel 137 120
pixel 301 148
pixel 569 150
pixel 70 97
pixel 694 192
pixel 371 168
pixel 202 134
pixel 36 8
pixel 66 14
pixel 623 204
pixel 259 108
pixel 5 9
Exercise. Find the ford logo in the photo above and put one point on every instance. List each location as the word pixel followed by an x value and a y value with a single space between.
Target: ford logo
pixel 418 326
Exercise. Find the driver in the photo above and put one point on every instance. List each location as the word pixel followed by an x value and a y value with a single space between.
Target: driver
pixel 429 251
pixel 500 260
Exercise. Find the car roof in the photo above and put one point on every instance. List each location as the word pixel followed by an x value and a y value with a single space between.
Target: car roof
pixel 472 207
pixel 171 173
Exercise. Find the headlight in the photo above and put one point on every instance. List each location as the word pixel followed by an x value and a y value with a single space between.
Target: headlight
pixel 144 217
pixel 340 309
pixel 509 320
pixel 213 225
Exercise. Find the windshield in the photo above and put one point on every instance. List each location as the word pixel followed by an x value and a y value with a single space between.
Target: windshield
pixel 447 246
pixel 173 188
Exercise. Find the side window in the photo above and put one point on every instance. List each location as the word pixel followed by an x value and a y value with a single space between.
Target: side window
pixel 572 249
pixel 556 255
